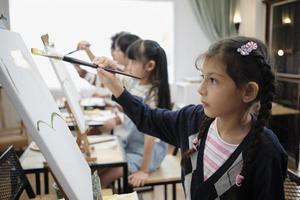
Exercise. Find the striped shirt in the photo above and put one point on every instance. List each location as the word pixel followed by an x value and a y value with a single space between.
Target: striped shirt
pixel 216 151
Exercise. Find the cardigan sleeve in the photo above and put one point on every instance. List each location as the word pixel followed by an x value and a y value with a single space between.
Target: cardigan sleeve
pixel 269 179
pixel 170 126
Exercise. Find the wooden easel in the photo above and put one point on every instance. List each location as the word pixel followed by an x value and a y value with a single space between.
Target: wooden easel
pixel 82 139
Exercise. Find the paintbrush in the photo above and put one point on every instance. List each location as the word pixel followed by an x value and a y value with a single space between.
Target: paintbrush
pixel 77 50
pixel 80 62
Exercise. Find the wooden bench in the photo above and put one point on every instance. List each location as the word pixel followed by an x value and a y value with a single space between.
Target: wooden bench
pixel 168 173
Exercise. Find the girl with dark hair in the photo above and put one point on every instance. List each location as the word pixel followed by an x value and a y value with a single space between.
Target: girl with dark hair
pixel 119 44
pixel 144 153
pixel 227 152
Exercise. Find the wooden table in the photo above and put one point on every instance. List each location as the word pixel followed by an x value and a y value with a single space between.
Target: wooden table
pixel 109 154
pixel 278 109
pixel 105 192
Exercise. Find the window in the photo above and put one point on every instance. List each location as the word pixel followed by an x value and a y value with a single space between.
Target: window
pixel 67 22
pixel 285 48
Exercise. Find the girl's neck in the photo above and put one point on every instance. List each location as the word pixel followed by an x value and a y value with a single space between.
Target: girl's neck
pixel 233 128
pixel 145 80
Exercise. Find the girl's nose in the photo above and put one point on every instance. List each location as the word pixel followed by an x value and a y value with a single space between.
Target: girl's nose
pixel 201 89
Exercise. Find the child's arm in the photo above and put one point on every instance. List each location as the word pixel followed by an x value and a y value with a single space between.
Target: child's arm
pixel 148 150
pixel 171 127
pixel 138 178
pixel 269 176
pixel 110 124
pixel 84 45
pixel 89 77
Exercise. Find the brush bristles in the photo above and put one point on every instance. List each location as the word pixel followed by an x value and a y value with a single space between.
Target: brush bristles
pixel 36 51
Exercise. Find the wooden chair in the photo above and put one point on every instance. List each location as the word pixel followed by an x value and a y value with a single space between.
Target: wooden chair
pixel 12 178
pixel 291 187
pixel 13 136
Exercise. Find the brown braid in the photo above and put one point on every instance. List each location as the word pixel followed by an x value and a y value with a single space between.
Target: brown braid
pixel 266 95
pixel 203 128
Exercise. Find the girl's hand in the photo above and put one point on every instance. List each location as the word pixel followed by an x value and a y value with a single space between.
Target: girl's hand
pixel 109 79
pixel 108 125
pixel 83 45
pixel 138 179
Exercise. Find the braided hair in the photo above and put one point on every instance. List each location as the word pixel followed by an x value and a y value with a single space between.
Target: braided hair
pixel 242 69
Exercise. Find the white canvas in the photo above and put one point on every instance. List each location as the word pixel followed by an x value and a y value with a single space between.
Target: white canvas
pixel 37 108
pixel 69 90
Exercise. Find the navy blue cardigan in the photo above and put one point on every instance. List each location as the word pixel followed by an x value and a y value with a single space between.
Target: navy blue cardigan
pixel 266 173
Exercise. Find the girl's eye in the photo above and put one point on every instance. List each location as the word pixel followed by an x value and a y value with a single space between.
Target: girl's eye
pixel 213 81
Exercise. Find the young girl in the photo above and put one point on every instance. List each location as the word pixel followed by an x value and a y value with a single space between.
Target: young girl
pixel 228 153
pixel 144 153
pixel 119 44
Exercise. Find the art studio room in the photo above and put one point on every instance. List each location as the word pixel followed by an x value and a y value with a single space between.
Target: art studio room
pixel 149 99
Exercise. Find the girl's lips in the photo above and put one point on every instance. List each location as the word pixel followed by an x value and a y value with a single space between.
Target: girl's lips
pixel 204 104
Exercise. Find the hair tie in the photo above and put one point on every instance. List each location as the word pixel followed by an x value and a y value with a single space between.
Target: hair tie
pixel 247 48
pixel 238 180
pixel 195 144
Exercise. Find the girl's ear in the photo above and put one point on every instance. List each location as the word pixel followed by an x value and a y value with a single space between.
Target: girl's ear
pixel 150 65
pixel 250 92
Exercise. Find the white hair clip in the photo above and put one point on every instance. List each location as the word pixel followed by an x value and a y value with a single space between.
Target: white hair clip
pixel 247 48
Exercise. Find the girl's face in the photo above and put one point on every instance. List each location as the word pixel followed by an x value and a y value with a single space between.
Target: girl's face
pixel 139 69
pixel 219 94
pixel 119 56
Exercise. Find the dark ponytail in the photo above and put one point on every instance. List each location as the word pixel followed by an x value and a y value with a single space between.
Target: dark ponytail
pixel 144 51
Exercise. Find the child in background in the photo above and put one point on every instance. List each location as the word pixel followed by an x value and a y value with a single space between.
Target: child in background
pixel 228 153
pixel 120 42
pixel 144 153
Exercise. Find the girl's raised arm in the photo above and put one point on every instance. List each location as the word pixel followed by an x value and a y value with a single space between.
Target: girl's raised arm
pixel 170 126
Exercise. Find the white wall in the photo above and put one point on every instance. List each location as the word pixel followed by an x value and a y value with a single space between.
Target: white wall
pixel 253 14
pixel 189 41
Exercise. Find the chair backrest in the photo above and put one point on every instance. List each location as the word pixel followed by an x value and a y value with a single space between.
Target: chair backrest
pixel 12 178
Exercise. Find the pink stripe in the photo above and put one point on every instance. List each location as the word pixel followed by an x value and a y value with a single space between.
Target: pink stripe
pixel 213 150
pixel 219 146
pixel 210 163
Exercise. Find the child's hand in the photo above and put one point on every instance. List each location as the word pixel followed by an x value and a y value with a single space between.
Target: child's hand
pixel 108 125
pixel 109 79
pixel 138 179
pixel 83 45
